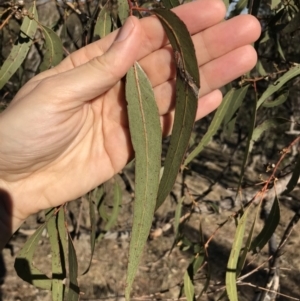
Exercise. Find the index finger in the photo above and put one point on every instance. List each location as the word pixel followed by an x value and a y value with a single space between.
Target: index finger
pixel 197 16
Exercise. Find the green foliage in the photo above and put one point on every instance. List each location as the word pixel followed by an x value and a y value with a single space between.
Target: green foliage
pixel 271 224
pixel 24 263
pixel 103 24
pixel 229 105
pixel 21 47
pixel 258 106
pixel 146 135
pixel 189 290
pixel 186 100
pixel 53 49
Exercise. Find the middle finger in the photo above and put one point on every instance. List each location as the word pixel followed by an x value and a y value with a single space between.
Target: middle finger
pixel 210 44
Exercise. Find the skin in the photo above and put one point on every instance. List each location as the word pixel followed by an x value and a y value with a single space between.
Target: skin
pixel 66 131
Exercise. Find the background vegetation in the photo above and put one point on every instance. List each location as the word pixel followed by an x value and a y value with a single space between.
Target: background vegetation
pixel 249 146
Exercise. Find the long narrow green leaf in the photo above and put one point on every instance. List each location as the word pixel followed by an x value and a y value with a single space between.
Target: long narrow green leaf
pixel 278 101
pixel 230 279
pixel 21 47
pixel 54 49
pixel 237 99
pixel 103 24
pixel 116 207
pixel 260 68
pixel 177 223
pixel 169 4
pixel 198 261
pixel 24 263
pixel 266 125
pixel 103 214
pixel 250 133
pixel 187 83
pixel 70 258
pixel 246 249
pixel 93 222
pixel 213 127
pixel 207 281
pixel 112 218
pixel 97 195
pixel 123 10
pixel 146 137
pixel 269 228
pixel 293 72
pixel 63 238
pixel 73 291
pixel 189 289
pixel 279 48
pixel 231 114
pixel 177 216
pixel 294 179
pixel 57 270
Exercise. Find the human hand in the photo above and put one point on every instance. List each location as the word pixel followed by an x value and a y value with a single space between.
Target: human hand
pixel 66 131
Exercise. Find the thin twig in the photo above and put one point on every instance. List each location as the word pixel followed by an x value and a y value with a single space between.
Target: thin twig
pixel 254 270
pixel 264 289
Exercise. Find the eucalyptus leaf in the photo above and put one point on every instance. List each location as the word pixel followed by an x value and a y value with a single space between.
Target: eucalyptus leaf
pixel 93 222
pixel 98 195
pixel 21 47
pixel 278 101
pixel 73 291
pixel 230 279
pixel 57 258
pixel 189 289
pixel 266 125
pixel 24 262
pixel 187 90
pixel 54 49
pixel 249 141
pixel 123 10
pixel 213 127
pixel 235 102
pixel 146 137
pixel 260 68
pixel 112 218
pixel 294 179
pixel 103 24
pixel 63 238
pixel 243 256
pixel 272 88
pixel 177 216
pixel 269 228
pixel 169 4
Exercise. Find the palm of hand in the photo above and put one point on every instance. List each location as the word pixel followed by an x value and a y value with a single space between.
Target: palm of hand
pixel 73 145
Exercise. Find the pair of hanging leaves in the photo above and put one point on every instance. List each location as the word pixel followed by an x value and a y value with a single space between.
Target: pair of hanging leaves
pixel 146 135
pixel 20 48
pixel 52 44
pixel 64 260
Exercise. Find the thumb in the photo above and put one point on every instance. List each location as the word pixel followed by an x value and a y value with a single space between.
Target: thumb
pixel 98 75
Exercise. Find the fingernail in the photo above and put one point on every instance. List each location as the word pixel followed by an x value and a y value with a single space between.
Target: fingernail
pixel 125 30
